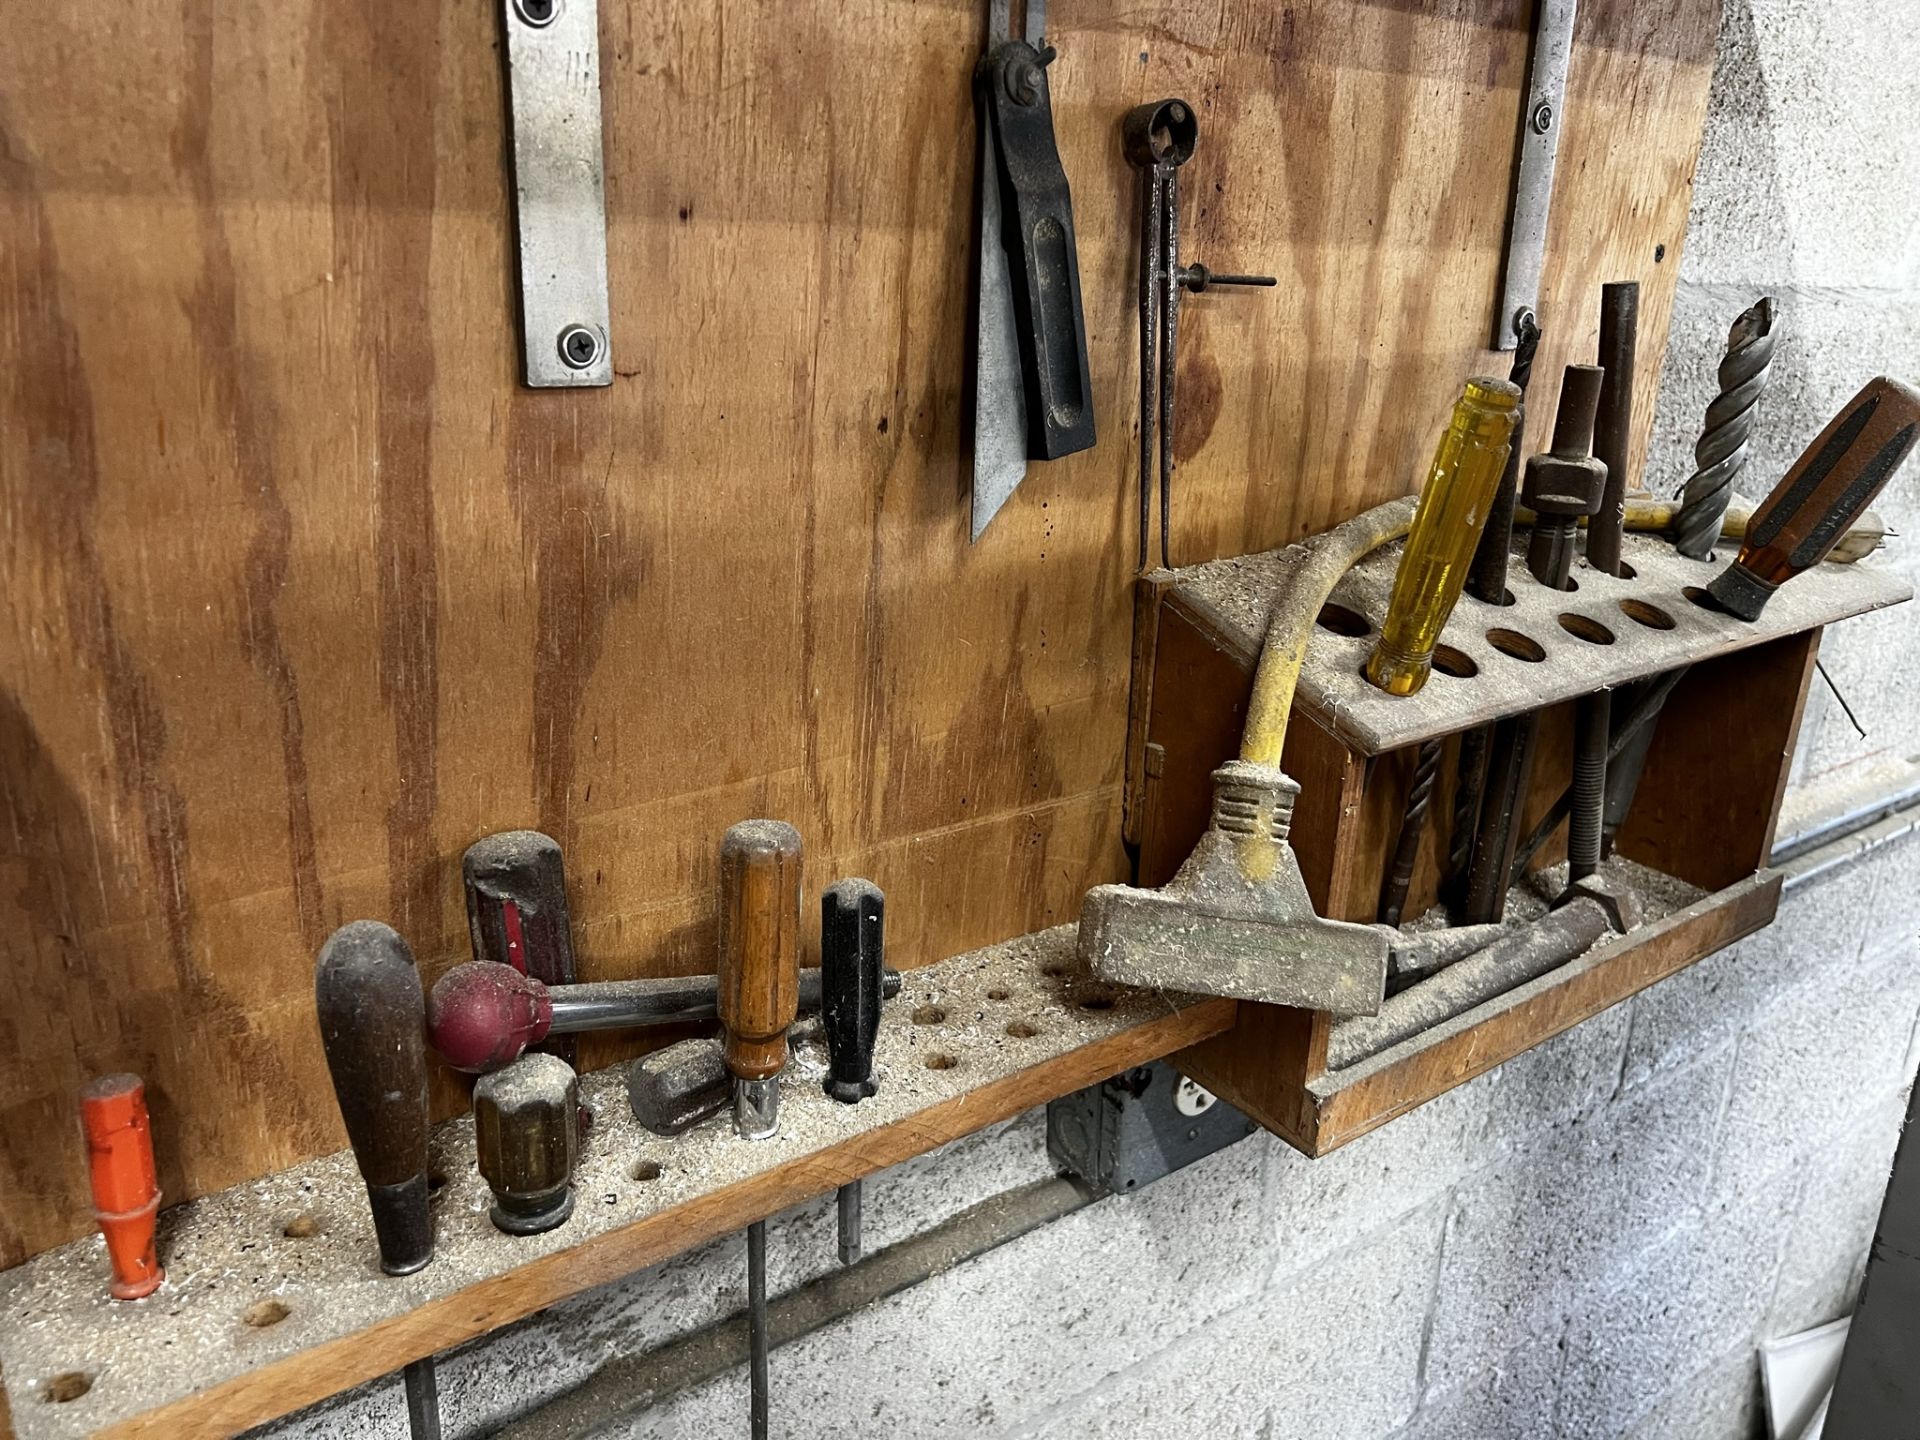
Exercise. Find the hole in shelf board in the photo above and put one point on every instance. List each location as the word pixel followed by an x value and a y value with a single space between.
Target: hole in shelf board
pixel 303 1226
pixel 1585 627
pixel 1704 599
pixel 1457 663
pixel 930 1015
pixel 436 1182
pixel 940 1060
pixel 265 1313
pixel 646 1170
pixel 1651 616
pixel 1021 1030
pixel 1626 572
pixel 999 993
pixel 1520 647
pixel 1096 1000
pixel 66 1387
pixel 1342 621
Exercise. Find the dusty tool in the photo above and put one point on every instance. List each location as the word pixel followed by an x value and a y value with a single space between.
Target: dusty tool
pixel 125 1185
pixel 1158 139
pixel 1827 489
pixel 1541 120
pixel 1648 516
pixel 372 1015
pixel 517 908
pixel 1593 909
pixel 852 934
pixel 673 1089
pixel 1726 436
pixel 1032 392
pixel 1487 582
pixel 481 1017
pixel 1613 421
pixel 1560 486
pixel 758 998
pixel 526 1135
pixel 1236 920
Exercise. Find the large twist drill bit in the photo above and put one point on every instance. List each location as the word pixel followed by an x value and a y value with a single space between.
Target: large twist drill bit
pixel 1725 440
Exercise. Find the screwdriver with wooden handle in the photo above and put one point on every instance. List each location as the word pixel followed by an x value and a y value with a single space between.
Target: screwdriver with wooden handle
pixel 366 993
pixel 758 998
pixel 1828 488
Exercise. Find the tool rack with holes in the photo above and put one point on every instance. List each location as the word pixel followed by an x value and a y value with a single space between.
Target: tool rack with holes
pixel 275 1298
pixel 1694 846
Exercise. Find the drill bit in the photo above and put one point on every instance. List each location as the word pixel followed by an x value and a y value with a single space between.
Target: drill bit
pixel 1725 440
pixel 1393 896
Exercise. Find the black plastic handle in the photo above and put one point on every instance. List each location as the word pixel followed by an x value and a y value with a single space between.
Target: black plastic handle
pixel 1043 258
pixel 852 916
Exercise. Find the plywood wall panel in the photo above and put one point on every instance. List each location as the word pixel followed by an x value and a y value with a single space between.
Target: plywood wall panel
pixel 305 592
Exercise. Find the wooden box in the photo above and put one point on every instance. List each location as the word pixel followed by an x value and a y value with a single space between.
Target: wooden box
pixel 1704 815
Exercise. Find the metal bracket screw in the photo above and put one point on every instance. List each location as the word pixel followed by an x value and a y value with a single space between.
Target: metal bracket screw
pixel 537 13
pixel 1023 81
pixel 579 346
pixel 1543 117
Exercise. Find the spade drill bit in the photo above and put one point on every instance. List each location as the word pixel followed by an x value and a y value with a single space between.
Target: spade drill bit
pixel 852 916
pixel 1726 438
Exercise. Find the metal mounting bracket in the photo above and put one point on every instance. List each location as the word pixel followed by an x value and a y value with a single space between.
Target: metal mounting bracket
pixel 1540 124
pixel 553 92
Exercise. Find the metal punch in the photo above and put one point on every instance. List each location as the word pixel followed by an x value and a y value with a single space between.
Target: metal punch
pixel 1158 139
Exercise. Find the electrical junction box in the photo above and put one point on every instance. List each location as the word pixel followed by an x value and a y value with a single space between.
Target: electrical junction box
pixel 1144 1123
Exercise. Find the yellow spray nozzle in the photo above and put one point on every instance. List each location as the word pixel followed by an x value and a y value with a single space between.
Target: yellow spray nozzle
pixel 1446 528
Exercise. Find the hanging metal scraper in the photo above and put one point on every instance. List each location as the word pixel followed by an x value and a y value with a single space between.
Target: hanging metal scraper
pixel 1032 392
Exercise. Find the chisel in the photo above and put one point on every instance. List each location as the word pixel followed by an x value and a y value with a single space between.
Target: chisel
pixel 366 993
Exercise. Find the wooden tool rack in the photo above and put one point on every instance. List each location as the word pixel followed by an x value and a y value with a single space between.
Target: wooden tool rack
pixel 1704 815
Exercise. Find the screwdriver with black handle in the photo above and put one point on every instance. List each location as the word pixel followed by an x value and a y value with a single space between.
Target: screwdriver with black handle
pixel 367 996
pixel 759 996
pixel 852 976
pixel 1454 505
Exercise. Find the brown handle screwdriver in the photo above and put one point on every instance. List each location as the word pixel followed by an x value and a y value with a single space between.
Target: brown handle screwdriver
pixel 1828 488
pixel 759 991
pixel 372 1013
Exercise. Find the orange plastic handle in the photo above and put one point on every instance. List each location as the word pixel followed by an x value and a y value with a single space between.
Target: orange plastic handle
pixel 126 1188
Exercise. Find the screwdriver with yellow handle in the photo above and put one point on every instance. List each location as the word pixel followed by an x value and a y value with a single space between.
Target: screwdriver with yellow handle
pixel 1447 525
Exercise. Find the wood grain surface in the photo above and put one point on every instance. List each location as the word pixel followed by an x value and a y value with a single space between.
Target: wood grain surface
pixel 305 593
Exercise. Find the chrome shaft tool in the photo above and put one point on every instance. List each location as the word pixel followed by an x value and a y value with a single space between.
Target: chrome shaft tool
pixel 852 918
pixel 1158 139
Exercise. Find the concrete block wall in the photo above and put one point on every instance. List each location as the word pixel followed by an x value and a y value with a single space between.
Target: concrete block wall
pixel 1589 1241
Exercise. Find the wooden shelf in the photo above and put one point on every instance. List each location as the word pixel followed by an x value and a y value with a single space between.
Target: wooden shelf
pixel 186 1362
pixel 1705 813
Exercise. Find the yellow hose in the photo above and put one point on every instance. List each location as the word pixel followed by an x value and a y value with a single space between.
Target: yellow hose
pixel 1296 605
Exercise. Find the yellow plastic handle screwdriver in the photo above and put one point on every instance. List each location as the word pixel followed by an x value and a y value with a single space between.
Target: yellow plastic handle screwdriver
pixel 1446 528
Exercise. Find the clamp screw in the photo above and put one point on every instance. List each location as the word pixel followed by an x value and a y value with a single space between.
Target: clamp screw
pixel 579 346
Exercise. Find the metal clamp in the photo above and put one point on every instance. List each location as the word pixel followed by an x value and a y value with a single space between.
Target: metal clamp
pixel 553 91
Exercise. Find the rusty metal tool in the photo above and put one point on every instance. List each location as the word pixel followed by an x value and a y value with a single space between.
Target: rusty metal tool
pixel 1726 435
pixel 1158 139
pixel 481 1017
pixel 1828 488
pixel 123 1181
pixel 852 934
pixel 1486 582
pixel 366 993
pixel 1560 487
pixel 673 1089
pixel 516 888
pixel 526 1135
pixel 758 998
pixel 1033 397
pixel 1613 421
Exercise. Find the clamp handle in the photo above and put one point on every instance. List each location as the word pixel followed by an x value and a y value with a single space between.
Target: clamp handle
pixel 372 1015
pixel 1828 488
pixel 1037 220
pixel 852 979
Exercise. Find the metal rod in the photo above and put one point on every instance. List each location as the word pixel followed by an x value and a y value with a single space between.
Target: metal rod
pixel 1152 201
pixel 1169 350
pixel 757 1326
pixel 850 1202
pixel 423 1399
pixel 1613 421
pixel 1591 719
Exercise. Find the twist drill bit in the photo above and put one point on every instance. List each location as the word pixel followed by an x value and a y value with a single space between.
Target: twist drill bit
pixel 1393 896
pixel 1725 440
